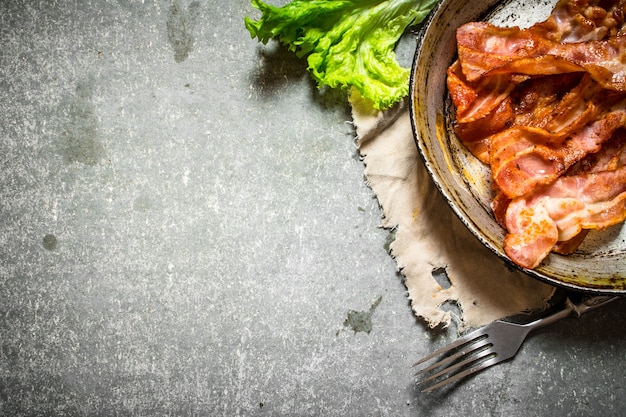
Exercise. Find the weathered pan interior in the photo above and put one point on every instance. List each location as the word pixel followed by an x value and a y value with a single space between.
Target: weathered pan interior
pixel 599 265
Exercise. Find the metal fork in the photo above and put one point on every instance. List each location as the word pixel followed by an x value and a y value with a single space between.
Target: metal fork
pixel 493 344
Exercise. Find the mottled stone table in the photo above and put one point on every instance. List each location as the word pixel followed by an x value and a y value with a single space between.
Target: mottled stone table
pixel 185 230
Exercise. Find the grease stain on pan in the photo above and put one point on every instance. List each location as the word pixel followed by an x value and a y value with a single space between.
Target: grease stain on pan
pixel 442 139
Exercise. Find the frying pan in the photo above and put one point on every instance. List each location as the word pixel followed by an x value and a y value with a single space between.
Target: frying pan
pixel 599 264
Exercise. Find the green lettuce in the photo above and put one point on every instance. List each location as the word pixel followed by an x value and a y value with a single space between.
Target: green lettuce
pixel 346 42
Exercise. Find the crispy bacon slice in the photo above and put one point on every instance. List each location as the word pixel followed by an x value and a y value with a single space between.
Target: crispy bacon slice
pixel 473 101
pixel 487 50
pixel 582 21
pixel 611 157
pixel 561 211
pixel 525 157
pixel 553 100
pixel 532 234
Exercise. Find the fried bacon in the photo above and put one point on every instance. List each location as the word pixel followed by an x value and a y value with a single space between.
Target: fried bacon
pixel 545 108
pixel 581 21
pixel 561 211
pixel 570 22
pixel 485 50
pixel 526 157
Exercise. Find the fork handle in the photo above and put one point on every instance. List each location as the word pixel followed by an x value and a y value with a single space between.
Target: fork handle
pixel 588 303
pixel 585 304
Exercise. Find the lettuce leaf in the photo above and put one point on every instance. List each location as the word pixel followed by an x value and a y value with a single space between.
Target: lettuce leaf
pixel 346 42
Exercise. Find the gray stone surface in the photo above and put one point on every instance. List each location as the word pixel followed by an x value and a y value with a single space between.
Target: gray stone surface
pixel 185 230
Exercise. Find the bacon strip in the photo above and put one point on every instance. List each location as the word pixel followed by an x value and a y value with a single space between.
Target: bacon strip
pixel 527 157
pixel 486 50
pixel 582 21
pixel 611 157
pixel 475 101
pixel 561 211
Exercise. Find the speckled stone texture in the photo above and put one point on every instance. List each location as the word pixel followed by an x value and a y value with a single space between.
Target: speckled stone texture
pixel 185 231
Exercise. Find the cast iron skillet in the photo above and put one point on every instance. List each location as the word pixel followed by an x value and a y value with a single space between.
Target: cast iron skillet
pixel 599 265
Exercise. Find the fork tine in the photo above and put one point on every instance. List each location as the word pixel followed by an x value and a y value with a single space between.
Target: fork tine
pixel 474 346
pixel 473 357
pixel 479 367
pixel 459 342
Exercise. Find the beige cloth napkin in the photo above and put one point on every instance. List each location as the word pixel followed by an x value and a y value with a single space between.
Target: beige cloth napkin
pixel 429 236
